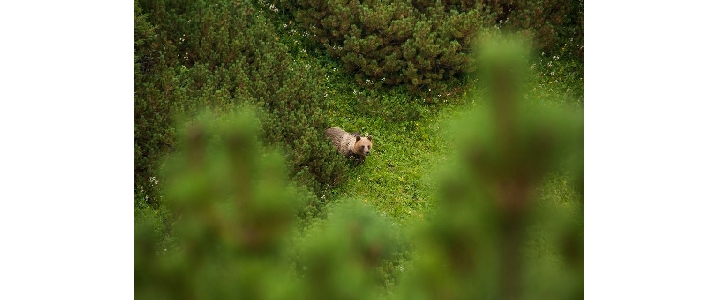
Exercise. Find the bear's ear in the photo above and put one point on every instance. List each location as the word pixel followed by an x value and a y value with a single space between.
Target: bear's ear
pixel 368 138
pixel 358 138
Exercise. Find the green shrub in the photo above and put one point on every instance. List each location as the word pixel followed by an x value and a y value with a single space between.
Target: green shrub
pixel 235 212
pixel 553 25
pixel 153 130
pixel 422 45
pixel 425 45
pixel 220 54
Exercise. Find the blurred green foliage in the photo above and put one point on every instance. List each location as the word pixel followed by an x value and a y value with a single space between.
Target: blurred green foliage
pixel 475 246
pixel 353 254
pixel 235 210
pixel 234 213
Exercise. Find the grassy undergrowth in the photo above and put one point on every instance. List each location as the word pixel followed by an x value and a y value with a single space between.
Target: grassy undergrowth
pixel 412 139
pixel 408 146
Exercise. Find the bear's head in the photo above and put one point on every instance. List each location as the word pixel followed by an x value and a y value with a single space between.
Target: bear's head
pixel 363 145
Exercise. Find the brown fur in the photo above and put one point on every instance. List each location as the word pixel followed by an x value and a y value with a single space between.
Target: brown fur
pixel 350 144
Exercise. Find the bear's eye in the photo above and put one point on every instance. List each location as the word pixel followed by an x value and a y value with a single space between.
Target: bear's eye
pixel 362 147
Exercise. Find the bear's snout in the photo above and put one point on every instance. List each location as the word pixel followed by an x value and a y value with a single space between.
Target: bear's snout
pixel 367 153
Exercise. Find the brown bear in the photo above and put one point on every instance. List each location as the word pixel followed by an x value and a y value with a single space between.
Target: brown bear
pixel 350 144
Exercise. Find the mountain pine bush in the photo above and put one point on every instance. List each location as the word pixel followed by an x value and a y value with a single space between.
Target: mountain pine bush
pixel 421 45
pixel 551 24
pixel 425 45
pixel 219 54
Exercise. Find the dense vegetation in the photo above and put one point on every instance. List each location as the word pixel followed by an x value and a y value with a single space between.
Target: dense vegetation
pixel 474 187
pixel 425 45
pixel 198 55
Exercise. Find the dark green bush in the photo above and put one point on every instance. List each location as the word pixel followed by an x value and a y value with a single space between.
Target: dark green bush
pixel 153 128
pixel 220 54
pixel 553 25
pixel 425 45
pixel 422 45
